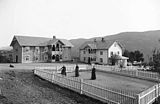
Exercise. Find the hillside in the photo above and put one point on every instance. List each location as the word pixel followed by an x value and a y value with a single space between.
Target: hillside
pixel 143 41
pixel 7 48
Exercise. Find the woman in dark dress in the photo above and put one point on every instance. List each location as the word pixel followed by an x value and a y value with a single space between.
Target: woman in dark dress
pixel 93 74
pixel 77 71
pixel 63 71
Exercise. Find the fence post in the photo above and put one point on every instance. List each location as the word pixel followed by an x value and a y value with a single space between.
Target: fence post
pixel 138 99
pixel 34 71
pixel 156 91
pixel 52 76
pixel 56 69
pixel 81 86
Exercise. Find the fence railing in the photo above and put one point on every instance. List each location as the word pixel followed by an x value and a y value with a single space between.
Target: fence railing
pixel 133 73
pixel 109 95
pixel 148 96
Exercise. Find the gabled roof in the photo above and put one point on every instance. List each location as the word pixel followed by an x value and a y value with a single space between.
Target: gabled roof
pixel 38 41
pixel 99 44
pixel 66 43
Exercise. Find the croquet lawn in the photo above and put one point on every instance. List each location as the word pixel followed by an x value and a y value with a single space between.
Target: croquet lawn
pixel 115 81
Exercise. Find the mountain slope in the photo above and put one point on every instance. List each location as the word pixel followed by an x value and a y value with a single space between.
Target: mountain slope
pixel 143 41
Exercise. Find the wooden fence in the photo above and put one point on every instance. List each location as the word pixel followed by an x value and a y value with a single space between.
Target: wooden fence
pixel 109 95
pixel 112 96
pixel 149 96
pixel 132 73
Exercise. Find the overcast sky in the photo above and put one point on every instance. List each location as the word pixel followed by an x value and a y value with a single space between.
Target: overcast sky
pixel 72 19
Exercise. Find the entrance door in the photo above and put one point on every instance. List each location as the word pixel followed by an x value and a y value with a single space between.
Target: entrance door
pixel 89 60
pixel 57 57
pixel 16 59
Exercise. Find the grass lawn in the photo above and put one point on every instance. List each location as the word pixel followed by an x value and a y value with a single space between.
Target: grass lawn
pixel 22 87
pixel 116 81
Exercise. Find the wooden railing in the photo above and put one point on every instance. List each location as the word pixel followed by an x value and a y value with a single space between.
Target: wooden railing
pixel 109 95
pixel 149 96
pixel 132 73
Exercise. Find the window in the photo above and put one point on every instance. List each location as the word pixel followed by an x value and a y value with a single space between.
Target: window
pixel 60 57
pixel 101 59
pixel 84 52
pixel 94 59
pixel 57 47
pixel 37 49
pixel 84 59
pixel 45 57
pixel 45 49
pixel 53 48
pixel 101 52
pixel 94 50
pixel 53 57
pixel 89 51
pixel 36 58
pixel 111 53
pixel 27 49
pixel 118 52
pixel 27 58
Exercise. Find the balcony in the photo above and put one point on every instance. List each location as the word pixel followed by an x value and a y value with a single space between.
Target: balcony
pixel 56 52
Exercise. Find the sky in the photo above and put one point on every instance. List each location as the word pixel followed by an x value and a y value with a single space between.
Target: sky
pixel 71 19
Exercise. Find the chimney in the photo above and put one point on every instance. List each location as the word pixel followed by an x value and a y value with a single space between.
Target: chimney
pixel 102 40
pixel 54 37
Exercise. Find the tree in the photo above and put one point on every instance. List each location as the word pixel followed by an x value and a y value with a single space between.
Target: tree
pixel 138 56
pixel 134 56
pixel 155 63
pixel 155 60
pixel 126 53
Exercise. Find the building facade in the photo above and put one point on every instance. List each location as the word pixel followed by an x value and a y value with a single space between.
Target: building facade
pixel 101 52
pixel 28 49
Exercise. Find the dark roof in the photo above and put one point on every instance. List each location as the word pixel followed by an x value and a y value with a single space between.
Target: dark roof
pixel 38 41
pixel 99 44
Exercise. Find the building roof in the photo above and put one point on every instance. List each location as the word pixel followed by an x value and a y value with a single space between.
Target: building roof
pixel 99 44
pixel 38 41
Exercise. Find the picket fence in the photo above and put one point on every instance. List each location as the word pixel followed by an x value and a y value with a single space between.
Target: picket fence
pixel 108 95
pixel 132 73
pixel 149 96
pixel 112 96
